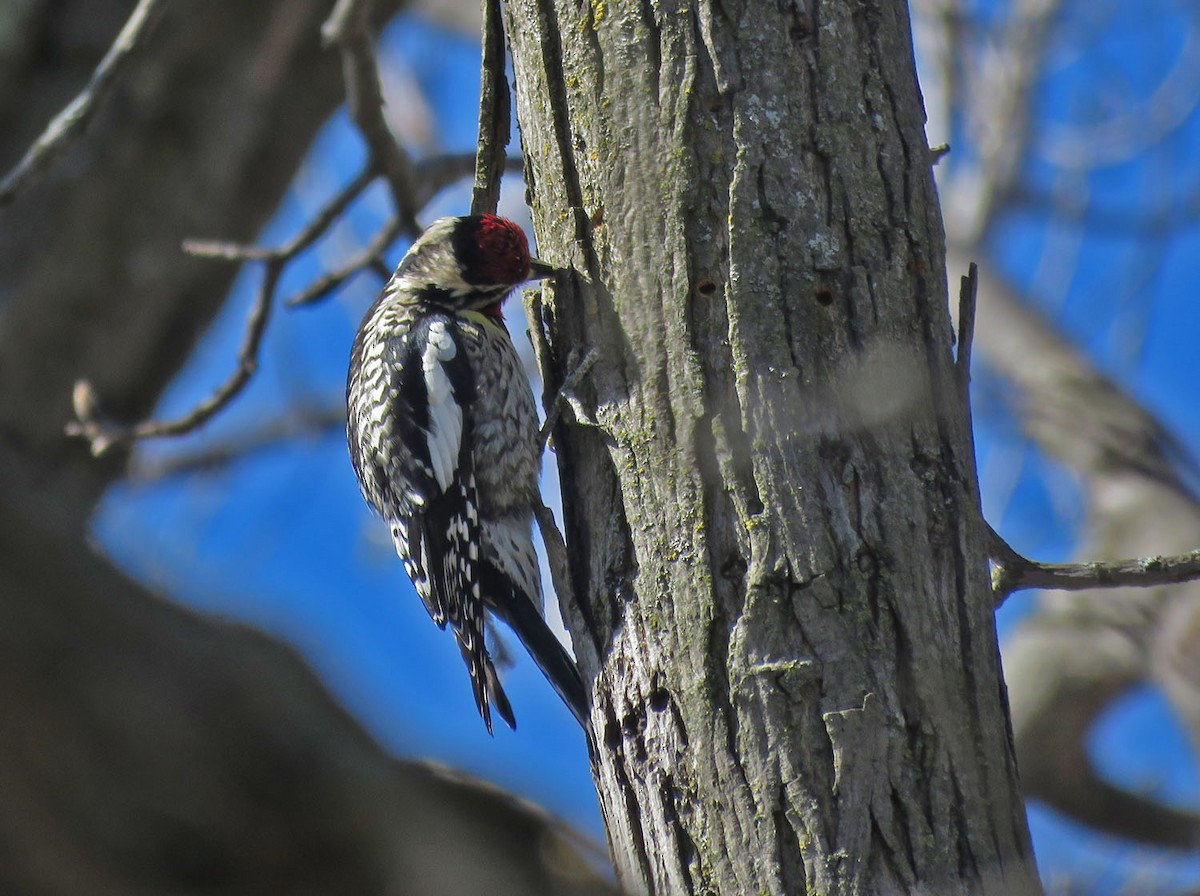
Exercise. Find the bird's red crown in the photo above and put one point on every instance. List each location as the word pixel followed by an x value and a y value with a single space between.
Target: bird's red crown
pixel 502 252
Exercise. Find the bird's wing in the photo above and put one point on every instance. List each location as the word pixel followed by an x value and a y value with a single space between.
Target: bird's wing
pixel 439 539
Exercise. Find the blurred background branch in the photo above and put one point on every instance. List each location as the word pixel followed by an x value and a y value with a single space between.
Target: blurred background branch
pixel 69 124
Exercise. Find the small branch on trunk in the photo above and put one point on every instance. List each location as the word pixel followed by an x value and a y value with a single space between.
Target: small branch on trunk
pixel 565 396
pixel 967 299
pixel 556 550
pixel 494 125
pixel 1013 572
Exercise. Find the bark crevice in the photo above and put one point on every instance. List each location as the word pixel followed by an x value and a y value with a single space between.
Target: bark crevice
pixel 795 467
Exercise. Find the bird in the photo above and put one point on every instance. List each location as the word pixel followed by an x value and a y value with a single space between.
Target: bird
pixel 443 437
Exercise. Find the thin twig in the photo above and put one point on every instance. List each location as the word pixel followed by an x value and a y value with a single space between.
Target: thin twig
pixel 368 257
pixel 103 433
pixel 494 125
pixel 434 174
pixel 221 250
pixel 312 231
pixel 69 124
pixel 1012 572
pixel 308 422
pixel 325 218
pixel 543 351
pixel 349 29
pixel 564 395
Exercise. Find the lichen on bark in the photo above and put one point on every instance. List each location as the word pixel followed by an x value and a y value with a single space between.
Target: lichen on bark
pixel 772 516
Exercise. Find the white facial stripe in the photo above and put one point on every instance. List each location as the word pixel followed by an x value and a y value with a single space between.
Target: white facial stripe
pixel 444 436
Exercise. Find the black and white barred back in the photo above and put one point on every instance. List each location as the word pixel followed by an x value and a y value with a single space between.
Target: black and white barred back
pixel 443 435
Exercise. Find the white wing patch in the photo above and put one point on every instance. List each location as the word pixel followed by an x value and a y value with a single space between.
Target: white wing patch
pixel 444 435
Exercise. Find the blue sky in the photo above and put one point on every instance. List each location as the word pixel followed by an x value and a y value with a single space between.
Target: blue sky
pixel 281 539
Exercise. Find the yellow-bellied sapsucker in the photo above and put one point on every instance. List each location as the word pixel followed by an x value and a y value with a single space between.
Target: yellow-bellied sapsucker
pixel 443 434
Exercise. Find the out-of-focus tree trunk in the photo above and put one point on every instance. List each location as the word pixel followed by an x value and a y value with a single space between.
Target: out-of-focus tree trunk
pixel 145 749
pixel 783 596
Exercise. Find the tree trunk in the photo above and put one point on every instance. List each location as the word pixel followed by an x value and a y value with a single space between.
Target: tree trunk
pixel 784 606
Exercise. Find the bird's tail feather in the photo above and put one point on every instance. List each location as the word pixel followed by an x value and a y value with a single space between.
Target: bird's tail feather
pixel 485 685
pixel 550 655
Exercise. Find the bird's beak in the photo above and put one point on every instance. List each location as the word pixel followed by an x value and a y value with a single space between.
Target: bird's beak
pixel 539 270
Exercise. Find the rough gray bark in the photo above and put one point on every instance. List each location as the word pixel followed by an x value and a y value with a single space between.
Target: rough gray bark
pixel 784 605
pixel 145 749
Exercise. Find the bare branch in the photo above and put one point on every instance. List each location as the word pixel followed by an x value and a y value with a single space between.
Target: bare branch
pixel 305 422
pixel 494 125
pixel 349 29
pixel 1012 572
pixel 367 258
pixel 223 251
pixel 69 124
pixel 324 219
pixel 434 174
pixel 297 244
pixel 104 433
